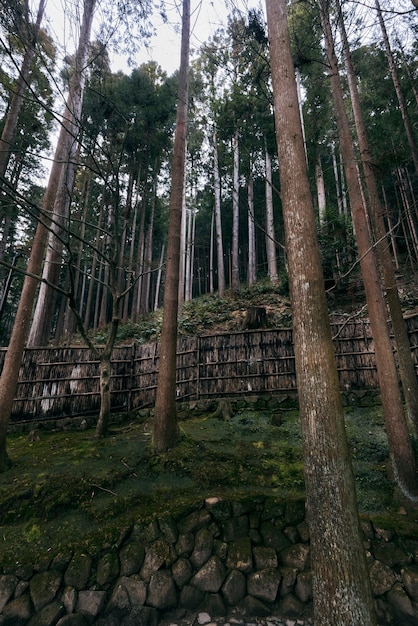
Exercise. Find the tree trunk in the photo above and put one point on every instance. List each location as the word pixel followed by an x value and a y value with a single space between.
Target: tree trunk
pixel 320 190
pixel 396 83
pixel 10 373
pixel 45 306
pixel 342 593
pixel 270 235
pixel 10 125
pixel 235 217
pixel 165 418
pixel 252 274
pixel 218 221
pixel 399 443
pixel 406 365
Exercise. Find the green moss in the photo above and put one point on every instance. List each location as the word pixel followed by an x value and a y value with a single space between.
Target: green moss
pixel 70 492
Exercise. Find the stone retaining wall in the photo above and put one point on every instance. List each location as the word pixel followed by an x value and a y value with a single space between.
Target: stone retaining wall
pixel 252 554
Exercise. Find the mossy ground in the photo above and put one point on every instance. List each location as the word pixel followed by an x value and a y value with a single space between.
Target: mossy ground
pixel 69 489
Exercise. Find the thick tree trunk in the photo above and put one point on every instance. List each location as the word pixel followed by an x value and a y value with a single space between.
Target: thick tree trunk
pixel 342 593
pixel 10 373
pixel 406 365
pixel 400 448
pixel 165 417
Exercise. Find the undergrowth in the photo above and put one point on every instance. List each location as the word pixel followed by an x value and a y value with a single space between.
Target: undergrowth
pixel 69 489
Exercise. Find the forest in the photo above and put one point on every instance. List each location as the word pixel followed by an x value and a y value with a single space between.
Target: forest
pixel 283 150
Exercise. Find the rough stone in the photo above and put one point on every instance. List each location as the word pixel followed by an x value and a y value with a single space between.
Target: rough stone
pixel 390 554
pixel 254 607
pixel 185 545
pixel 44 588
pixel 157 554
pixel 264 584
pixel 288 579
pixel 182 572
pixel 219 509
pixel 273 537
pixel 90 603
pixel 240 555
pixel 210 577
pixel 234 528
pixel 190 598
pixel 73 620
pixel 290 606
pixel 215 605
pixel 18 611
pixel 69 599
pixel 234 588
pixel 303 588
pixel 107 568
pixel 410 580
pixel 194 521
pixel 131 558
pixel 296 555
pixel 8 585
pixel 78 571
pixel 169 529
pixel 162 592
pixel 126 593
pixel 381 578
pixel 202 547
pixel 48 615
pixel 295 512
pixel 399 601
pixel 264 557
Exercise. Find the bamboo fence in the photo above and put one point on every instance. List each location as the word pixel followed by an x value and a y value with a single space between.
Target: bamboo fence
pixel 59 382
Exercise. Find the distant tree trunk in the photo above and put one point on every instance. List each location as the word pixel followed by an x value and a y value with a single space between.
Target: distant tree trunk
pixel 396 83
pixel 10 373
pixel 45 305
pixel 11 120
pixel 211 253
pixel 341 585
pixel 270 234
pixel 252 272
pixel 157 286
pixel 165 417
pixel 406 365
pixel 337 181
pixel 399 443
pixel 218 221
pixel 235 216
pixel 320 190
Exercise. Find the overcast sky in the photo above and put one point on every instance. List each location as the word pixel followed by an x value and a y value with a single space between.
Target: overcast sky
pixel 207 17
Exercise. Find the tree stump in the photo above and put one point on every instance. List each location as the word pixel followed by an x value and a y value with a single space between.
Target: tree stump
pixel 223 410
pixel 256 317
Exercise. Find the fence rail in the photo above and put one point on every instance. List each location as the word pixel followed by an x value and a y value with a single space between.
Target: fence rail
pixel 59 382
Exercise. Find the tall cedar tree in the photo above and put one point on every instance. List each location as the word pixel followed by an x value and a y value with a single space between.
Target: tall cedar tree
pixel 342 593
pixel 165 418
pixel 10 373
pixel 400 447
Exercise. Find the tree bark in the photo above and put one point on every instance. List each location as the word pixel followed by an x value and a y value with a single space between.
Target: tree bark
pixel 218 220
pixel 270 235
pixel 252 273
pixel 10 125
pixel 399 443
pixel 10 373
pixel 396 83
pixel 406 365
pixel 342 593
pixel 235 282
pixel 165 417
